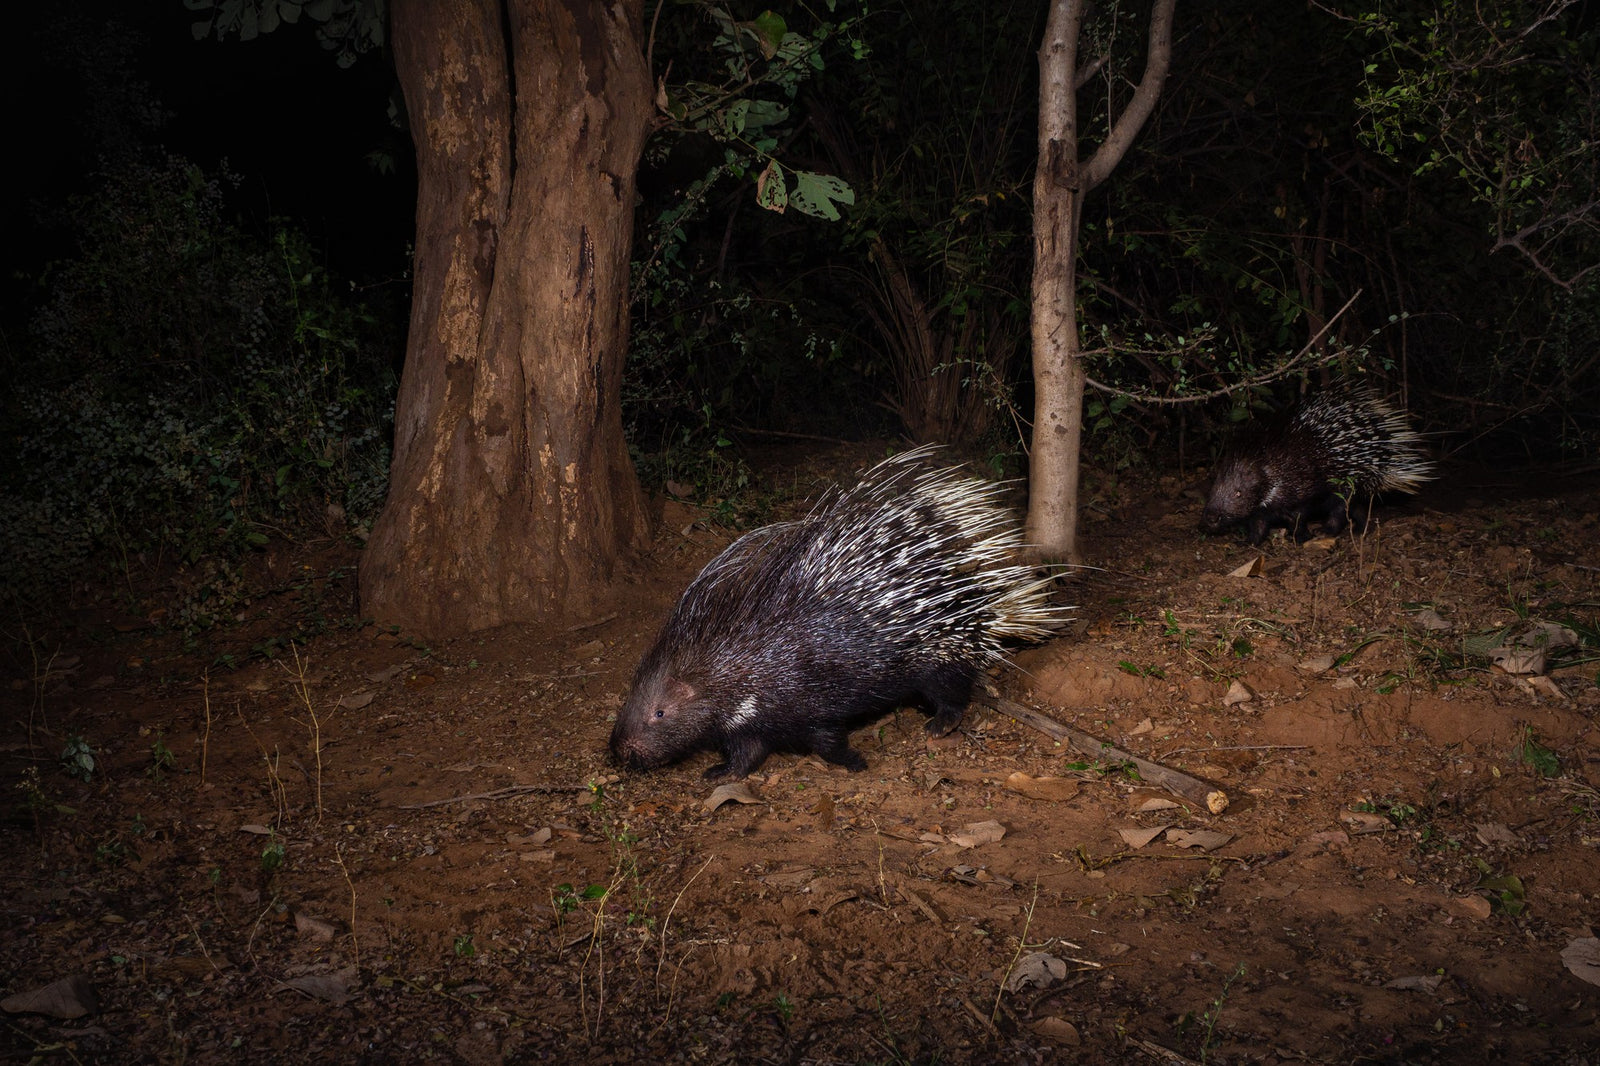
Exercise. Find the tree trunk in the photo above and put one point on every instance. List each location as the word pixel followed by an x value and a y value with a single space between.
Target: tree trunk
pixel 512 496
pixel 1059 186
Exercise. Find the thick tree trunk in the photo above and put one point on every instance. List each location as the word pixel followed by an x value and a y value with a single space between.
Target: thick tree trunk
pixel 512 496
pixel 1059 186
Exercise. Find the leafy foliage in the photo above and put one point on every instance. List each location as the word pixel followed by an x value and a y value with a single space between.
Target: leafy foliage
pixel 189 389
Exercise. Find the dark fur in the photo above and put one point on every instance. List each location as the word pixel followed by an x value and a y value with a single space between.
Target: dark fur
pixel 1306 467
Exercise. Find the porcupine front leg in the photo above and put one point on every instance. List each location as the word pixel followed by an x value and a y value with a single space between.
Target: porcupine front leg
pixel 948 693
pixel 741 756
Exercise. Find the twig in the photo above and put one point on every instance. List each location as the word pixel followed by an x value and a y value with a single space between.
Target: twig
pixel 498 793
pixel 1166 1055
pixel 1022 943
pixel 1193 789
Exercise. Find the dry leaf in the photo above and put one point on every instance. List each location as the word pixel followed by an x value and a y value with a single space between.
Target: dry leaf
pixel 1250 569
pixel 70 997
pixel 737 792
pixel 1055 789
pixel 315 928
pixel 1204 839
pixel 1317 664
pixel 331 987
pixel 1058 1030
pixel 1138 838
pixel 1143 801
pixel 1546 686
pixel 1582 959
pixel 1036 969
pixel 1496 833
pixel 1428 982
pixel 258 830
pixel 1366 822
pixel 1142 728
pixel 977 833
pixel 1429 619
pixel 793 877
pixel 1519 660
pixel 355 702
pixel 388 673
pixel 1238 693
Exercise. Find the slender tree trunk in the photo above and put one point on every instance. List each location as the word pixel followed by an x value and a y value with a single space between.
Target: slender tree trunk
pixel 511 494
pixel 1059 186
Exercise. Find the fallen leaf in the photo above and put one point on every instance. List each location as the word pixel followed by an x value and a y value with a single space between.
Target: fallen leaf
pixel 1366 822
pixel 977 833
pixel 258 830
pixel 1143 802
pixel 1054 789
pixel 1329 838
pixel 1142 728
pixel 1428 982
pixel 1036 969
pixel 1138 838
pixel 1519 660
pixel 355 702
pixel 70 997
pixel 1546 686
pixel 1059 1030
pixel 1582 958
pixel 1204 839
pixel 1429 619
pixel 1496 833
pixel 736 792
pixel 330 988
pixel 388 673
pixel 1317 664
pixel 793 877
pixel 315 928
pixel 1238 693
pixel 1249 569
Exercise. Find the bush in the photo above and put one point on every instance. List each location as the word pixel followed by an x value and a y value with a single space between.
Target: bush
pixel 188 388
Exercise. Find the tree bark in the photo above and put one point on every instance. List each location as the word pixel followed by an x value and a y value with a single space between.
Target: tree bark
pixel 512 496
pixel 1060 183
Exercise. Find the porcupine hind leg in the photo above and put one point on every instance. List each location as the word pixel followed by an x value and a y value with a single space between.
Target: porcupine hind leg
pixel 833 744
pixel 947 691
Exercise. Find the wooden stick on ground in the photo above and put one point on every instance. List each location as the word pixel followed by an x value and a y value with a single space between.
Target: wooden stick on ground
pixel 1193 789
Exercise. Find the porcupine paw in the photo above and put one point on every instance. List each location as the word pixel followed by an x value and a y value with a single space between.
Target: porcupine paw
pixel 837 750
pixel 945 721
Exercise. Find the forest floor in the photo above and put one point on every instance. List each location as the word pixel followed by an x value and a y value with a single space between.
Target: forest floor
pixel 370 849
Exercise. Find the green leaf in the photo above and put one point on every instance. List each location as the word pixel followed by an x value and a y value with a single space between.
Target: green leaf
pixel 769 29
pixel 760 113
pixel 771 192
pixel 816 194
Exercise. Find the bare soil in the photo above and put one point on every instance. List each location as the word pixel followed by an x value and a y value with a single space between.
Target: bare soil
pixel 371 849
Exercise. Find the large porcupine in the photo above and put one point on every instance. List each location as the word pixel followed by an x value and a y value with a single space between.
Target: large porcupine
pixel 1307 466
pixel 896 592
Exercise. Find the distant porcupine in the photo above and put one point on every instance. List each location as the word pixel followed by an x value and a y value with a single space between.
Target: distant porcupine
pixel 896 592
pixel 1307 466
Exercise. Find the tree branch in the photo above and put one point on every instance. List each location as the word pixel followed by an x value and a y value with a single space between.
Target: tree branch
pixel 1158 58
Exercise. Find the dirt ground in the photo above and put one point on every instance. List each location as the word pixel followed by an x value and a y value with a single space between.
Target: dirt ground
pixel 371 849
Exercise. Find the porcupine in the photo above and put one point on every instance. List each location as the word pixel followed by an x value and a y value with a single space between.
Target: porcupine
pixel 1307 466
pixel 896 592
